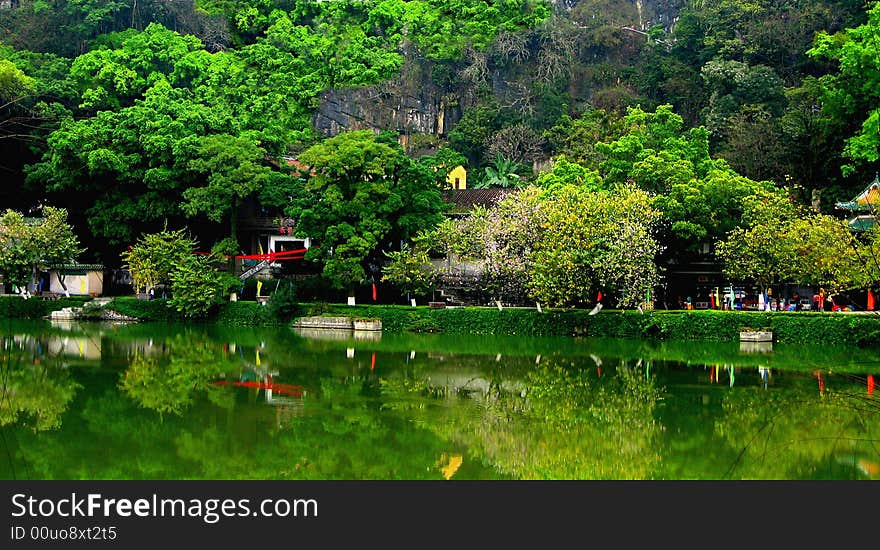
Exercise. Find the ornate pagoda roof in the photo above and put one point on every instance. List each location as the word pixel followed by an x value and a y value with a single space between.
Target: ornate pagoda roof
pixel 869 199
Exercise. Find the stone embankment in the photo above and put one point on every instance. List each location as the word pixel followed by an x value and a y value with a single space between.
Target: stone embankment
pixel 94 311
pixel 338 323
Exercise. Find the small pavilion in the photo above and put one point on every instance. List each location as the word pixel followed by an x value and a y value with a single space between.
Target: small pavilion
pixel 864 207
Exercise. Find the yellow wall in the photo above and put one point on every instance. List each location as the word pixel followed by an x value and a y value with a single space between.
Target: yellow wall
pixel 457 173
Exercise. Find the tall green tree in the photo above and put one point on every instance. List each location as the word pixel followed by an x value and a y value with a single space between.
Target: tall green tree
pixel 704 210
pixel 596 241
pixel 28 246
pixel 782 245
pixel 233 169
pixel 655 150
pixel 854 91
pixel 365 197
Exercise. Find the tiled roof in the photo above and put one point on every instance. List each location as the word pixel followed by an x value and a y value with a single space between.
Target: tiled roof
pixel 299 165
pixel 464 200
pixel 75 268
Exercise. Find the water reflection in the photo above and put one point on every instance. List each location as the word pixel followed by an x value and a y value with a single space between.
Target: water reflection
pixel 140 401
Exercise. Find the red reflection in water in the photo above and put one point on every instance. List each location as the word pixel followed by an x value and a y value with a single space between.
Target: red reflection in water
pixel 285 389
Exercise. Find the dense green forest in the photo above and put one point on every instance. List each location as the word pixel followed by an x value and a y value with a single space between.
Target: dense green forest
pixel 134 114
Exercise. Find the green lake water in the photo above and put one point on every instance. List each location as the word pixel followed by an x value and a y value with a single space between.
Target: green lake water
pixel 149 401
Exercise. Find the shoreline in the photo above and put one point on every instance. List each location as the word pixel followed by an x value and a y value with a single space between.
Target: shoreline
pixel 839 328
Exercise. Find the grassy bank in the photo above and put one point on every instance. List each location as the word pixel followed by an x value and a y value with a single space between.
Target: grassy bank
pixel 792 327
pixel 230 313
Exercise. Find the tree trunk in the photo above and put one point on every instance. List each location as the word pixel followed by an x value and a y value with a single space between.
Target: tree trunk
pixel 63 286
pixel 233 233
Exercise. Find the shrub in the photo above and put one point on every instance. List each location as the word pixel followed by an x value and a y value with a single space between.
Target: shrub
pixel 145 310
pixel 152 259
pixel 282 303
pixel 197 287
pixel 245 314
pixel 18 308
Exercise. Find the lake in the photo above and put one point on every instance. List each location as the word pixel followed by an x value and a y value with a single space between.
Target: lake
pixel 165 401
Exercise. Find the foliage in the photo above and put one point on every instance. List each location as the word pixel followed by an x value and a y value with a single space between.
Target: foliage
pixel 31 245
pixel 233 170
pixel 179 130
pixel 14 307
pixel 410 270
pixel 797 328
pixel 817 251
pixel 734 85
pixel 366 197
pixel 566 172
pixel 245 314
pixel 502 174
pixel 504 240
pixel 34 393
pixel 140 125
pixel 167 384
pixel 472 132
pixel 576 138
pixel 144 310
pixel 596 241
pixel 197 287
pixel 519 144
pixel 705 209
pixel 13 82
pixel 655 151
pixel 235 314
pixel 853 91
pixel 155 256
pixel 283 303
pixel 754 144
pixel 813 139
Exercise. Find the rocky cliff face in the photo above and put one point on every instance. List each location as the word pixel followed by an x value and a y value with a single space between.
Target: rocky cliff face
pixel 413 104
pixel 658 12
pixel 410 103
pixel 391 106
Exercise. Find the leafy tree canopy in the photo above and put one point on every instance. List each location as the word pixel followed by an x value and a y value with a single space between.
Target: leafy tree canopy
pixel 366 197
pixel 855 90
pixel 30 245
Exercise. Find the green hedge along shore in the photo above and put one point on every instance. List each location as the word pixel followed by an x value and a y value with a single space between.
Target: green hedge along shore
pixel 13 306
pixel 792 327
pixel 859 329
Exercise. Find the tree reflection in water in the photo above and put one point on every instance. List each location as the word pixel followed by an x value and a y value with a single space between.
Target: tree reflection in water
pixel 563 422
pixel 36 389
pixel 198 402
pixel 807 431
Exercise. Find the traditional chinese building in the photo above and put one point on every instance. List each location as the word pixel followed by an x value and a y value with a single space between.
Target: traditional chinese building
pixel 863 207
